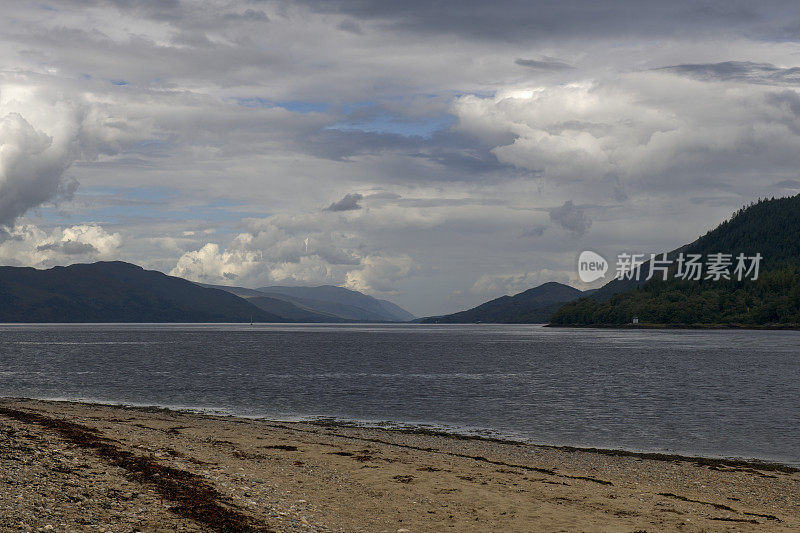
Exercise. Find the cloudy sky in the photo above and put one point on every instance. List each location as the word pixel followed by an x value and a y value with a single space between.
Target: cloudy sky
pixel 434 153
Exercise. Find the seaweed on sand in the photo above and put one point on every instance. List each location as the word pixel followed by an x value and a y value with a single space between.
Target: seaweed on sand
pixel 195 498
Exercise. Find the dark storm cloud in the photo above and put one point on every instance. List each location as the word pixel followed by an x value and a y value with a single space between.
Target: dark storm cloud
pixel 334 256
pixel 762 73
pixel 535 231
pixel 69 247
pixel 384 195
pixel 545 63
pixel 348 203
pixel 458 156
pixel 461 155
pixel 543 20
pixel 571 217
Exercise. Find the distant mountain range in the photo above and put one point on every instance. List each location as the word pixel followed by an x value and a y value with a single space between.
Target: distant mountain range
pixel 768 227
pixel 325 303
pixel 534 306
pixel 115 292
pixel 121 292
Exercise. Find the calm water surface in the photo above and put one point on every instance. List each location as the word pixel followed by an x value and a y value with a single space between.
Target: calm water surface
pixel 715 393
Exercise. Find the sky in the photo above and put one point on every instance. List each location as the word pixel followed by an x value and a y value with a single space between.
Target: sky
pixel 436 154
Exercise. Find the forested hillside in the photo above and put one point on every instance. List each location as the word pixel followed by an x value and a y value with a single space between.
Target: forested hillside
pixel 768 227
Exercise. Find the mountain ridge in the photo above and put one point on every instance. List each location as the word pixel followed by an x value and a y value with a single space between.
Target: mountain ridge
pixel 534 305
pixel 770 227
pixel 114 291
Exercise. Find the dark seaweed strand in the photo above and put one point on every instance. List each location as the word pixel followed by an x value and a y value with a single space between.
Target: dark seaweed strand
pixel 194 497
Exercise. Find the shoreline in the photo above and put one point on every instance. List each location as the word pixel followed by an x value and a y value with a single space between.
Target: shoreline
pixel 620 452
pixel 106 467
pixel 439 431
pixel 712 327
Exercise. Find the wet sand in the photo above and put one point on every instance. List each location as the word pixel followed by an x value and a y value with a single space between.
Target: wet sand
pixel 80 467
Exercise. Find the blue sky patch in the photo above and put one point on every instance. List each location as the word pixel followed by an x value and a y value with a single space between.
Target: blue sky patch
pixel 390 123
pixel 295 106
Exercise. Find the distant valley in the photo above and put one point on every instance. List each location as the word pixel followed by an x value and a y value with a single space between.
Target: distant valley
pixel 122 292
pixel 325 303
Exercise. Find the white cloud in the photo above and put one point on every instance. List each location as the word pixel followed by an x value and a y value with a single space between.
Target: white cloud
pixel 314 248
pixel 373 274
pixel 379 274
pixel 31 167
pixel 210 265
pixel 106 244
pixel 493 285
pixel 644 129
pixel 43 132
pixel 29 245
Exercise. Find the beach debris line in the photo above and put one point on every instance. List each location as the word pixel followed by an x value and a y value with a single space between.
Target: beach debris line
pixel 721 507
pixel 194 497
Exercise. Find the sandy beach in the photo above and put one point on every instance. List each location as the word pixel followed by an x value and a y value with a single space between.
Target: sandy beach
pixel 80 467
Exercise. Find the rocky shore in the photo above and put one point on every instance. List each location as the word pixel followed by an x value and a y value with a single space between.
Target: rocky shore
pixel 83 467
